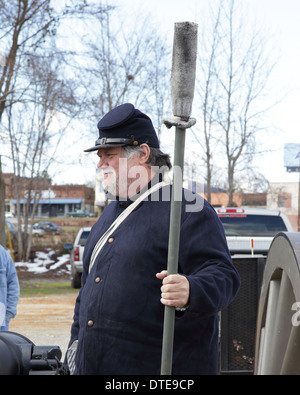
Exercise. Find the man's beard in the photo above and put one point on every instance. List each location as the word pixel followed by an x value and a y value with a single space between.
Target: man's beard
pixel 127 183
pixel 115 188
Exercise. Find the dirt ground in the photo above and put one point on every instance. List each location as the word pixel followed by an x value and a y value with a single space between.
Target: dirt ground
pixel 45 320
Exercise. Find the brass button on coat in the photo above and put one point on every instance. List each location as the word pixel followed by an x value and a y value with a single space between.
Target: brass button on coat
pixel 110 240
pixel 97 280
pixel 90 323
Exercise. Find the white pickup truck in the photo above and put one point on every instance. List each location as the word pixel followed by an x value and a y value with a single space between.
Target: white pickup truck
pixel 251 230
pixel 76 256
pixel 249 233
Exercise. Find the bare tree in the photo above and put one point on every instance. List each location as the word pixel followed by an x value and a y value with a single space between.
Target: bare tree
pixel 23 24
pixel 124 63
pixel 242 75
pixel 2 207
pixel 236 69
pixel 25 29
pixel 32 135
pixel 208 93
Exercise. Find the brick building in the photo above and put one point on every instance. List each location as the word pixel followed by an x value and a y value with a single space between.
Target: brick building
pixel 285 196
pixel 53 200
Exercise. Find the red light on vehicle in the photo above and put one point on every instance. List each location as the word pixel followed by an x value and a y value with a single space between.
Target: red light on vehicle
pixel 231 210
pixel 76 254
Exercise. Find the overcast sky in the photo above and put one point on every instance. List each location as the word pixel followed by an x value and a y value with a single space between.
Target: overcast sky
pixel 281 18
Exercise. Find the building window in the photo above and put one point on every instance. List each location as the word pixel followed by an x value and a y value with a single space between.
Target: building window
pixel 281 201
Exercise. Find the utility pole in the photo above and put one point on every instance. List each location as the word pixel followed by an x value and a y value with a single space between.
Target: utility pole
pixel 2 208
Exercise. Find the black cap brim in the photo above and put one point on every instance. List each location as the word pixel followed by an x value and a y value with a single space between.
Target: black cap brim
pixel 96 147
pixel 110 142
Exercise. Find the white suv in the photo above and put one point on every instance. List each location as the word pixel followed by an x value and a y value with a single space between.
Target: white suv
pixel 251 230
pixel 77 255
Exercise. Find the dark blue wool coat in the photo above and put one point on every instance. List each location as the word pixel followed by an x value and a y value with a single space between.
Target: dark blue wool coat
pixel 118 318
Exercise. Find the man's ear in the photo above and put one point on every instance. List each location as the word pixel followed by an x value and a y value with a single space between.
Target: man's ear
pixel 144 155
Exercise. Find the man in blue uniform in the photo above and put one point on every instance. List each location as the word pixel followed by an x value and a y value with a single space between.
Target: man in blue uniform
pixel 119 312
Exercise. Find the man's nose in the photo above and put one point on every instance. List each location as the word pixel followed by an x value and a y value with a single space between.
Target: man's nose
pixel 100 163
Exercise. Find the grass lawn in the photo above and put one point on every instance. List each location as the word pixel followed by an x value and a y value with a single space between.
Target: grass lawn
pixel 42 288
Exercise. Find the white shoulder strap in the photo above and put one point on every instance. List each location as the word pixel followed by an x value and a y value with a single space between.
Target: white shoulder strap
pixel 100 243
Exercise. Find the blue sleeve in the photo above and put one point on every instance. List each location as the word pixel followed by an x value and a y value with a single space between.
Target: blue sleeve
pixel 206 262
pixel 13 289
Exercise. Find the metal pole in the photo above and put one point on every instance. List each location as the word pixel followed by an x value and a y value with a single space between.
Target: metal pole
pixel 175 216
pixel 182 92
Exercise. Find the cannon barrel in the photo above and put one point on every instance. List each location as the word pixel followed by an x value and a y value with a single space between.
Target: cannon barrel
pixel 20 356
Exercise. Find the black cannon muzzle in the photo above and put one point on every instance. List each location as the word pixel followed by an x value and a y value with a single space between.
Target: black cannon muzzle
pixel 20 356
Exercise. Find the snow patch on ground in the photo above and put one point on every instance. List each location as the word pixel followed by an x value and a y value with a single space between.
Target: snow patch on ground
pixel 47 261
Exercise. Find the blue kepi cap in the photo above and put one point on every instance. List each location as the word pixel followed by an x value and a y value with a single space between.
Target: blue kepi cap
pixel 125 125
